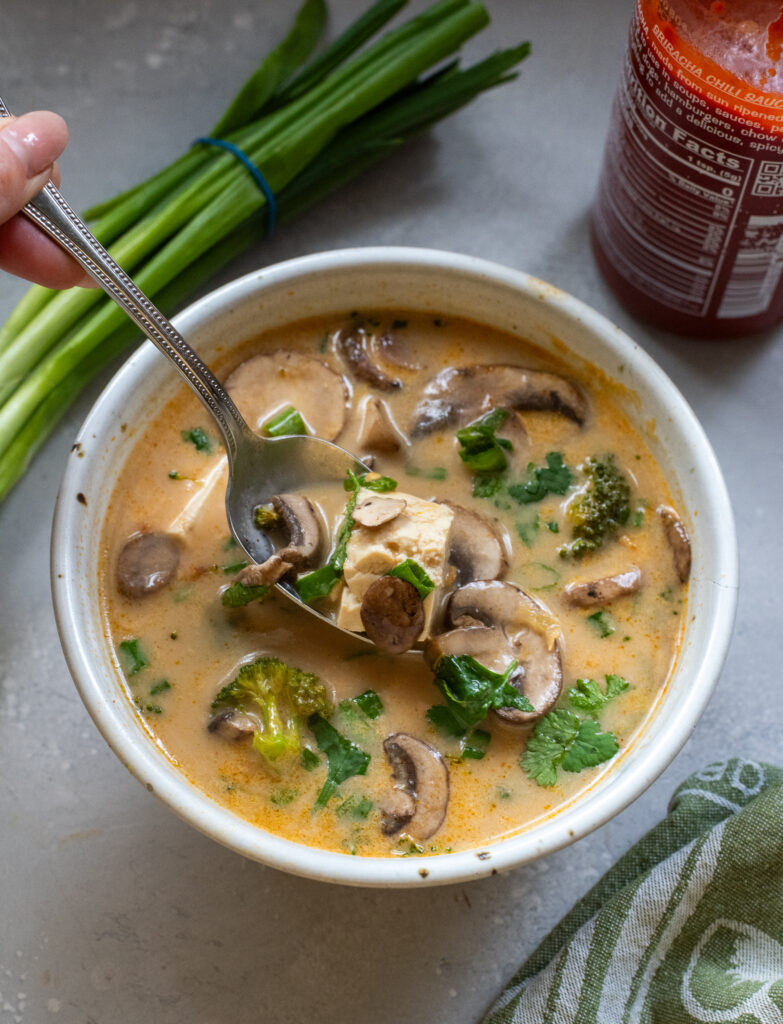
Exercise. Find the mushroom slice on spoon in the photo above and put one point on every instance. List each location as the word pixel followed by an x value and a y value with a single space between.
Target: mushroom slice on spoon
pixel 392 614
pixel 524 630
pixel 420 794
pixel 457 396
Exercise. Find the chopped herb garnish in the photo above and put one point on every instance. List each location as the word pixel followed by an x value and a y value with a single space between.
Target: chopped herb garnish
pixel 601 623
pixel 370 703
pixel 412 573
pixel 229 543
pixel 554 478
pixel 309 759
pixel 637 519
pixel 283 797
pixel 588 696
pixel 174 475
pixel 345 758
pixel 357 807
pixel 481 450
pixel 198 438
pixel 174 635
pixel 486 485
pixel 320 582
pixel 372 481
pixel 562 739
pixel 235 567
pixel 182 594
pixel 553 527
pixel 433 473
pixel 471 692
pixel 476 745
pixel 265 517
pixel 323 342
pixel 528 530
pixel 539 576
pixel 132 657
pixel 160 687
pixel 285 424
pixel 153 709
pixel 238 595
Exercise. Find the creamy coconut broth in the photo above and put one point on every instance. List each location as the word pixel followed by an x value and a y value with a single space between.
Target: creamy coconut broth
pixel 426 790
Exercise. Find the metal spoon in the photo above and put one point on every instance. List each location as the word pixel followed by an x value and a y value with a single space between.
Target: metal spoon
pixel 258 467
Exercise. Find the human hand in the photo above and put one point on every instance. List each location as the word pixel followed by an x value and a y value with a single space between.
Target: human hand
pixel 29 146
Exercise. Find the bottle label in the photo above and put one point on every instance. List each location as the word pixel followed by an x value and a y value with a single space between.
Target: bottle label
pixel 690 206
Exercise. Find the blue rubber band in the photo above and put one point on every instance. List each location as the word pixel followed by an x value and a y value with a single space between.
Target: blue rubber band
pixel 258 177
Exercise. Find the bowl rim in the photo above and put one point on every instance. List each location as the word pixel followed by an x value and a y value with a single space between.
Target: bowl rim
pixel 592 808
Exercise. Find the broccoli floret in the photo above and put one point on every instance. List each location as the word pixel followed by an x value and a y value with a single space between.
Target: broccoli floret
pixel 280 698
pixel 601 508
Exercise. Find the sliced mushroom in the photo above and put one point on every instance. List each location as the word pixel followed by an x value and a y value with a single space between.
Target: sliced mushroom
pixel 394 348
pixel 301 526
pixel 679 541
pixel 528 630
pixel 231 724
pixel 392 614
pixel 487 644
pixel 420 796
pixel 378 432
pixel 475 549
pixel 605 590
pixel 353 344
pixel 268 572
pixel 375 511
pixel 459 395
pixel 147 563
pixel 267 383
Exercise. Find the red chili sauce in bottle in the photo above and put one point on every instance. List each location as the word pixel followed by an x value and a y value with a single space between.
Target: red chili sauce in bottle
pixel 688 220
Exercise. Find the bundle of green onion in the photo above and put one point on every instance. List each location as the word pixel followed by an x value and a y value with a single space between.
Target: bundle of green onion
pixel 309 127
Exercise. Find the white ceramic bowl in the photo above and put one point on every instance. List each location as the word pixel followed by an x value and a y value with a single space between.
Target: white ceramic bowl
pixel 426 280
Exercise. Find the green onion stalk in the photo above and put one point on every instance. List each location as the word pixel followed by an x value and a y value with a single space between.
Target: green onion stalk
pixel 309 127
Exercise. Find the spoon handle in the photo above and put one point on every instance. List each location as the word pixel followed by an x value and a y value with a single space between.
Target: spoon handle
pixel 54 215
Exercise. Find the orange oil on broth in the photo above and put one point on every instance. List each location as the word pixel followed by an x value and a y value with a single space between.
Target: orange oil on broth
pixel 196 644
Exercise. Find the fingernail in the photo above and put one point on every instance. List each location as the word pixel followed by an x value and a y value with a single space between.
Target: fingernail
pixel 36 140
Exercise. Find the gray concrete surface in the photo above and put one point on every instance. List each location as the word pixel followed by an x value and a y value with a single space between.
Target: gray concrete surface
pixel 111 909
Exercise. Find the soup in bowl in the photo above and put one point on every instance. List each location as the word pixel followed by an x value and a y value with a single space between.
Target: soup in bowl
pixel 534 577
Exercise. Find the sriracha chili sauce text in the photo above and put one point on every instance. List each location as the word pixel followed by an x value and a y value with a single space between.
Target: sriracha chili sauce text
pixel 688 219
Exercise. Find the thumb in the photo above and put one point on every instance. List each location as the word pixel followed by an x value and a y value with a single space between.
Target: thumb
pixel 29 145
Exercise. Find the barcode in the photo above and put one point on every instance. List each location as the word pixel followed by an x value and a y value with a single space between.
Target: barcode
pixel 757 269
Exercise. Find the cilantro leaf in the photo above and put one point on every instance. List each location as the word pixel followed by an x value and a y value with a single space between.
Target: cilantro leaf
pixel 485 485
pixel 132 657
pixel 482 451
pixel 442 718
pixel 528 530
pixel 472 691
pixel 434 473
pixel 198 438
pixel 370 703
pixel 287 422
pixel 345 758
pixel 309 759
pixel 588 696
pixel 554 478
pixel 590 748
pixel 562 739
pixel 412 573
pixel 601 623
pixel 476 745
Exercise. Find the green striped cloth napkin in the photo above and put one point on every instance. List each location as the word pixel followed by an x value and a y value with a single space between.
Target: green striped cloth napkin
pixel 686 927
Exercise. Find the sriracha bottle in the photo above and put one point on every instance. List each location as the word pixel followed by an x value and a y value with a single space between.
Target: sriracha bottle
pixel 687 225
